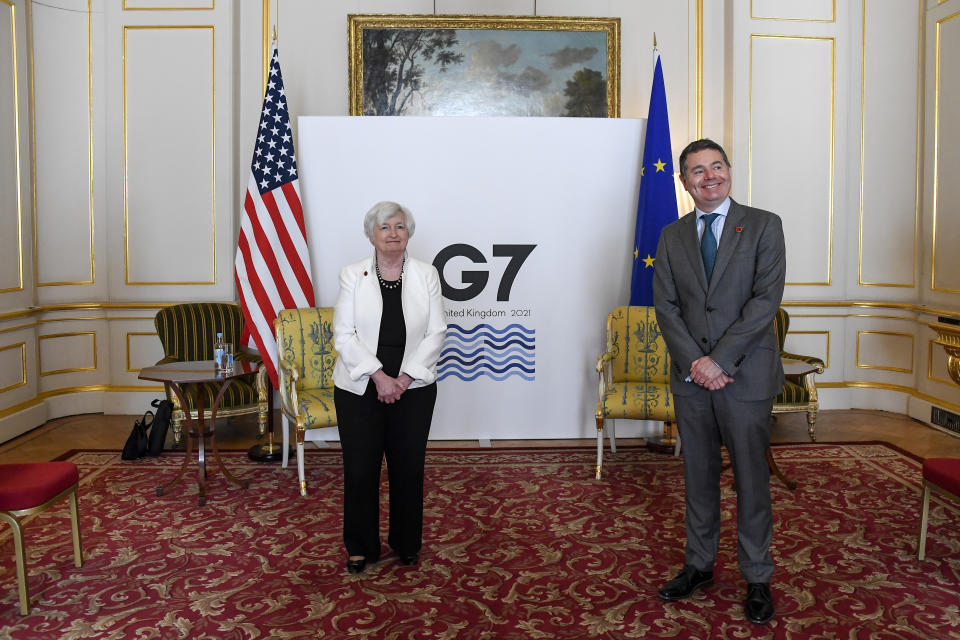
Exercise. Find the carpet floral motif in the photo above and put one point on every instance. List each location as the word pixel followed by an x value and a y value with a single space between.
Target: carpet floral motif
pixel 517 544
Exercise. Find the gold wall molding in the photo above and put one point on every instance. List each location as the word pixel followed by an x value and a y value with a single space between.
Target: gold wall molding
pixel 832 18
pixel 918 149
pixel 136 333
pixel 936 154
pixel 754 38
pixel 213 157
pixel 23 366
pixel 18 196
pixel 870 332
pixel 52 336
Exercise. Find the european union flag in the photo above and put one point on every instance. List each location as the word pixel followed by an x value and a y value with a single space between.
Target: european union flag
pixel 657 204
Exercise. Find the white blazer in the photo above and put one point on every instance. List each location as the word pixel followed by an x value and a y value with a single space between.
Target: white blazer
pixel 356 324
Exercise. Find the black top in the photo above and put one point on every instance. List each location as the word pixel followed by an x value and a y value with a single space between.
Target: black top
pixel 393 331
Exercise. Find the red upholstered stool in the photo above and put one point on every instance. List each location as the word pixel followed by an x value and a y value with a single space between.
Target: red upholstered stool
pixel 943 476
pixel 29 488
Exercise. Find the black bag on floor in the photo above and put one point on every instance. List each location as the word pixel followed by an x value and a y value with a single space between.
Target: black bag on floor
pixel 137 443
pixel 161 422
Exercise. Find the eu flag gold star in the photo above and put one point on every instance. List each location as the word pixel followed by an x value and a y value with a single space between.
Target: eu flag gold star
pixel 659 164
pixel 648 261
pixel 636 253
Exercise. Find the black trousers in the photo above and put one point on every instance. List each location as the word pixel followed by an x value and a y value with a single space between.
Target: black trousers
pixel 369 431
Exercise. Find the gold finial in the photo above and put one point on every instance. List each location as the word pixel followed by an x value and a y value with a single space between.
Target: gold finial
pixel 654 39
pixel 275 34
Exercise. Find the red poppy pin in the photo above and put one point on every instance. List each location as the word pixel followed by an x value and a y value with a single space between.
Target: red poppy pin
pixel 365 273
pixel 739 229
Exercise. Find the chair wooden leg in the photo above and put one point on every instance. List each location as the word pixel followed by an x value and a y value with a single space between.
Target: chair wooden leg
pixel 75 525
pixel 924 514
pixel 21 555
pixel 300 470
pixel 811 423
pixel 599 446
pixel 612 430
pixel 775 470
pixel 285 455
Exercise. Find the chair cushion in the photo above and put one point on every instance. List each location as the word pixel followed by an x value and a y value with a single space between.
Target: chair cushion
pixel 639 350
pixel 943 472
pixel 242 392
pixel 305 341
pixel 30 484
pixel 316 406
pixel 638 401
pixel 792 393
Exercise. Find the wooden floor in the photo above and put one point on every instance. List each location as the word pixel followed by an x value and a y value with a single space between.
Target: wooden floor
pixel 98 431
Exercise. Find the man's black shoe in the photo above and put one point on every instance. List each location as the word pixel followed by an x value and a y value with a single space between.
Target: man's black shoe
pixel 758 607
pixel 686 583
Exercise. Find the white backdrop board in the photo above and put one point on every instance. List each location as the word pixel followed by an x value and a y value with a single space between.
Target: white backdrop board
pixel 535 217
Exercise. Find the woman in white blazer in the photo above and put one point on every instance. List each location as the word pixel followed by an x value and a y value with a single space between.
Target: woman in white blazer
pixel 389 327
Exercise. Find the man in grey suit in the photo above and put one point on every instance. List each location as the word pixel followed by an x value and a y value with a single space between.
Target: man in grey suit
pixel 718 282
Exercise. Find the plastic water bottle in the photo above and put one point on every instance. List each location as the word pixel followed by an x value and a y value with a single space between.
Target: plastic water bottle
pixel 218 347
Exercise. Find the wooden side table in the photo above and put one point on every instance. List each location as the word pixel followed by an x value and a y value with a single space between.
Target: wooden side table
pixel 178 374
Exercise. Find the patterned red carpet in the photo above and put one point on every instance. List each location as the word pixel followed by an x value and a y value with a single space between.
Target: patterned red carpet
pixel 518 544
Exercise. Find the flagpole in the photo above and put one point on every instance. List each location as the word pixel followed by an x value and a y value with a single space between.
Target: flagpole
pixel 269 452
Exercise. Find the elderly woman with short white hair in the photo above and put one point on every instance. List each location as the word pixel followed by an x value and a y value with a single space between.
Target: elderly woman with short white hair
pixel 389 327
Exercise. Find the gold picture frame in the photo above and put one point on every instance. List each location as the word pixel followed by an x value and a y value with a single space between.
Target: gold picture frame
pixel 483 65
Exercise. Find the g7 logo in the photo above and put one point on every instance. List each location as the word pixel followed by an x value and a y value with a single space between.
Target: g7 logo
pixel 477 280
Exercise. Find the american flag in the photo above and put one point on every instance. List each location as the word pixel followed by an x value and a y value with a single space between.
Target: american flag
pixel 273 265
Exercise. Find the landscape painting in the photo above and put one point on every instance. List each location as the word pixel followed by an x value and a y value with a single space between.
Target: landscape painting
pixel 484 66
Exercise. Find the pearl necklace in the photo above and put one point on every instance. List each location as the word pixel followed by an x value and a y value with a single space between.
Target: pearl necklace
pixel 389 285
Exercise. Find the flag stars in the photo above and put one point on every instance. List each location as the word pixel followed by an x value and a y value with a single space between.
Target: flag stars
pixel 648 261
pixel 636 253
pixel 659 164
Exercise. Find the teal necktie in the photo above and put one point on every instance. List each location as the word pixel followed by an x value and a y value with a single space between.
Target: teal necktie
pixel 708 244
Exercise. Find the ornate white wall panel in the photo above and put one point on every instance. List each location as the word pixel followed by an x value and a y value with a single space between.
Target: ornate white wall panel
pixel 488 7
pixel 68 352
pixel 809 343
pixel 143 349
pixel 946 168
pixel 808 10
pixel 13 366
pixel 12 165
pixel 167 5
pixel 885 350
pixel 169 206
pixel 889 138
pixel 791 137
pixel 63 137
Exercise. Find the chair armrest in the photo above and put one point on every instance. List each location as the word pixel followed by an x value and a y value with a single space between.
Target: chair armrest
pixel 167 359
pixel 288 376
pixel 811 360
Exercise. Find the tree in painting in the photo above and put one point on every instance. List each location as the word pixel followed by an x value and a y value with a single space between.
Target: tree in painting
pixel 587 93
pixel 393 65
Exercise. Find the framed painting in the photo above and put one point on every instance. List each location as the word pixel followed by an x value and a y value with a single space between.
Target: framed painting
pixel 430 65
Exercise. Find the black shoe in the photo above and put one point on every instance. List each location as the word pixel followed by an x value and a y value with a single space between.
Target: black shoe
pixel 411 559
pixel 758 607
pixel 356 566
pixel 686 583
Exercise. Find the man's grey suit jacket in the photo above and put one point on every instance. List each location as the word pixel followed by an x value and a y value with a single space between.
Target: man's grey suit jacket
pixel 731 320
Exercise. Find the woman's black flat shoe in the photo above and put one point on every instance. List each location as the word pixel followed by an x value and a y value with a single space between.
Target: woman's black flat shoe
pixel 356 566
pixel 410 560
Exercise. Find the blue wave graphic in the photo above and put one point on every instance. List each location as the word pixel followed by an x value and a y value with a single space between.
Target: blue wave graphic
pixel 493 352
pixel 485 350
pixel 469 363
pixel 474 329
pixel 455 374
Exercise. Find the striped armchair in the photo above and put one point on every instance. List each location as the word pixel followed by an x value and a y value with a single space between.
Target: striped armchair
pixel 187 332
pixel 799 392
pixel 634 374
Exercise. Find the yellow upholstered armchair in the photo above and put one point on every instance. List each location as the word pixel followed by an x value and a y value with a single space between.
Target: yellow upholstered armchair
pixel 800 391
pixel 634 373
pixel 187 332
pixel 306 357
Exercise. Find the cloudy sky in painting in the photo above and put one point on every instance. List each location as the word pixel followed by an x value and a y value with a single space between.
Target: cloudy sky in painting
pixel 509 73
